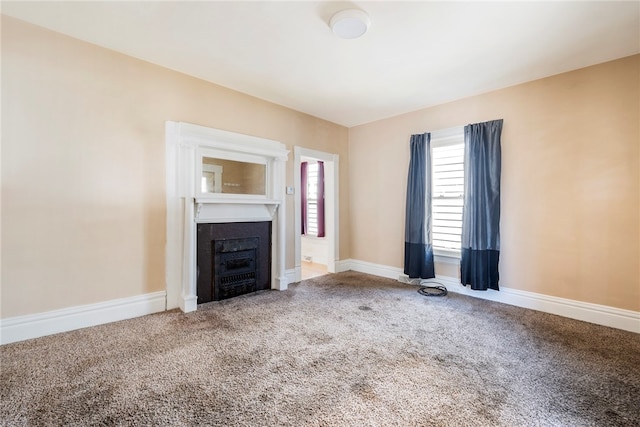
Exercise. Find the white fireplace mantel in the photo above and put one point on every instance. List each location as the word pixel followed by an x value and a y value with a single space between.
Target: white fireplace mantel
pixel 236 210
pixel 187 206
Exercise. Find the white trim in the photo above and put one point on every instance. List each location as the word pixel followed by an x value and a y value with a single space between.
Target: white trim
pixel 216 171
pixel 21 328
pixel 442 137
pixel 187 206
pixel 332 216
pixel 594 313
pixel 207 137
pixel 612 317
pixel 343 265
pixel 445 139
pixel 375 269
pixel 290 275
pixel 446 257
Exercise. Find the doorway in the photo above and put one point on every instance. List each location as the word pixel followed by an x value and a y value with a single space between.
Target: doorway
pixel 316 256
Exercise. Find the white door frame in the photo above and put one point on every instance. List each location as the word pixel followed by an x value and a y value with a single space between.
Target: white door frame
pixel 331 164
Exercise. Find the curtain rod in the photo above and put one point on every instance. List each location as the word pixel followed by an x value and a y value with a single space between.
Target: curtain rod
pixel 443 133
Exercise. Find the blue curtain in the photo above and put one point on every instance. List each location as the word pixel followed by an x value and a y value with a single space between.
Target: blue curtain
pixel 481 213
pixel 418 252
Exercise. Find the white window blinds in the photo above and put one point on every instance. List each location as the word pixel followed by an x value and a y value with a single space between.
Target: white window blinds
pixel 447 192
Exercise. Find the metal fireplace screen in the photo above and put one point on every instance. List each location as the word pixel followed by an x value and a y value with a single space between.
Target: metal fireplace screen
pixel 235 267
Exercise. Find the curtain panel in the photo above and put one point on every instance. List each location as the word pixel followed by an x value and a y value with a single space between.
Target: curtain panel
pixel 321 199
pixel 418 250
pixel 303 196
pixel 481 212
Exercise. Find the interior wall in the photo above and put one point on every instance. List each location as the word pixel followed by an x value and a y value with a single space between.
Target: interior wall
pixel 314 249
pixel 83 166
pixel 570 216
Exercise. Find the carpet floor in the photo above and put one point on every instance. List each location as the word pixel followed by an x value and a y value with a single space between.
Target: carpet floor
pixel 345 349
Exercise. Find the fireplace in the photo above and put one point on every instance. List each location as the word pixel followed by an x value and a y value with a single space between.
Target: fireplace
pixel 235 267
pixel 232 259
pixel 206 191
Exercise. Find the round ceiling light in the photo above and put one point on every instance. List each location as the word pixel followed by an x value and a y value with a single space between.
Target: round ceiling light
pixel 350 23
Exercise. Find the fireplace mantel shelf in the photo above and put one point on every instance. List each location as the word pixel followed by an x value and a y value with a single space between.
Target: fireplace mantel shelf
pixel 233 209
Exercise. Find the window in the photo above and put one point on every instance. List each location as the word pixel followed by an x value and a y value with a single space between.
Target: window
pixel 312 199
pixel 447 159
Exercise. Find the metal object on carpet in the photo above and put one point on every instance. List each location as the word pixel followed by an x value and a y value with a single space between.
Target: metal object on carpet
pixel 439 290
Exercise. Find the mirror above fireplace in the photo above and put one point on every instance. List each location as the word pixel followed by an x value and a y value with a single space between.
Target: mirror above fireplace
pixel 225 176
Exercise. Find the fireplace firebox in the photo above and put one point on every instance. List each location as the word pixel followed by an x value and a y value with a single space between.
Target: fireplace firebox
pixel 233 259
pixel 235 264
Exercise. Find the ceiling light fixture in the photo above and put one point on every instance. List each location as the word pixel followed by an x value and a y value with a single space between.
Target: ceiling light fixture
pixel 350 23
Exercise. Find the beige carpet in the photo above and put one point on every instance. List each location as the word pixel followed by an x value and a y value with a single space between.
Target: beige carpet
pixel 344 349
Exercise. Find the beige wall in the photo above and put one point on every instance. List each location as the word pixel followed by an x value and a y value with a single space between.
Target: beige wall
pixel 570 224
pixel 83 162
pixel 83 195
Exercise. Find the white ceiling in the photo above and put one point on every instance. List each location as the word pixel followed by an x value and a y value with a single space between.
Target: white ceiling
pixel 415 54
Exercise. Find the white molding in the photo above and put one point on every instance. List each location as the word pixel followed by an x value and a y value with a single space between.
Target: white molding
pixel 228 212
pixel 588 312
pixel 446 258
pixel 186 206
pixel 291 275
pixel 332 208
pixel 21 328
pixel 343 265
pixel 281 284
pixel 228 141
pixel 447 136
pixel 612 317
pixel 188 303
pixel 375 269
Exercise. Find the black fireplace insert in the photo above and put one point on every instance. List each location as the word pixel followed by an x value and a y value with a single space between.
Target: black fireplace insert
pixel 233 259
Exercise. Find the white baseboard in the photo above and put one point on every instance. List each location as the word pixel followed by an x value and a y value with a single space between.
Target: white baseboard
pixel 594 313
pixel 21 328
pixel 375 269
pixel 188 303
pixel 343 265
pixel 291 275
pixel 37 325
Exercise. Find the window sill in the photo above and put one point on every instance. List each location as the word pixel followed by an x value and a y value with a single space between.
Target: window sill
pixel 446 256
